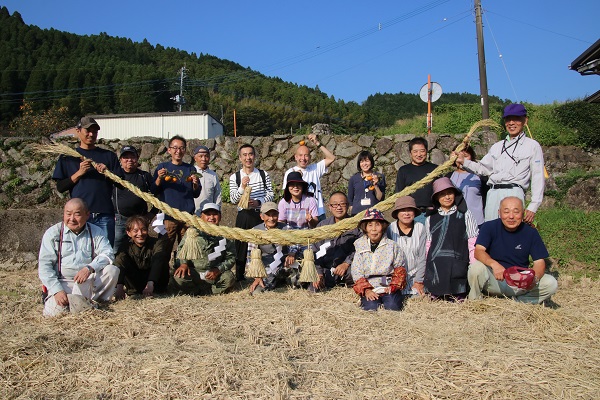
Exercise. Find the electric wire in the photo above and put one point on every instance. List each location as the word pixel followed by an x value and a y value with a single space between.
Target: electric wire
pixel 500 56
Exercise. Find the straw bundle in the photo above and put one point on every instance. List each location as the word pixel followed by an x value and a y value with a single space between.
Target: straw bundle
pixel 256 268
pixel 190 250
pixel 309 269
pixel 245 199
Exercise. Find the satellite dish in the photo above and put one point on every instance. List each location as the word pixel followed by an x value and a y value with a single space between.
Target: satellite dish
pixel 436 92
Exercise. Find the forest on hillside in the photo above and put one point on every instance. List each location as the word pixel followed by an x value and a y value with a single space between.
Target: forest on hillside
pixel 68 75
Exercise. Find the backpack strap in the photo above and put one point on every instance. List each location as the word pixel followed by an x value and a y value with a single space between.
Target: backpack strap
pixel 263 176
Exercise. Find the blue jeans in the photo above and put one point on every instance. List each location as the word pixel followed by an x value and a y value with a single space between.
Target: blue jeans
pixel 106 222
pixel 120 235
pixel 393 301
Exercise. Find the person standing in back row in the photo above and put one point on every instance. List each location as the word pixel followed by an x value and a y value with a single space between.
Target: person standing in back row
pixel 211 185
pixel 411 173
pixel 126 203
pixel 82 181
pixel 262 191
pixel 312 173
pixel 511 165
pixel 172 186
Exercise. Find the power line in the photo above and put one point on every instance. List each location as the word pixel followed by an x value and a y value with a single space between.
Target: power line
pixel 538 27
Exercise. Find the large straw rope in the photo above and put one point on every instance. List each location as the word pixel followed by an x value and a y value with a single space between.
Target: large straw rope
pixel 276 236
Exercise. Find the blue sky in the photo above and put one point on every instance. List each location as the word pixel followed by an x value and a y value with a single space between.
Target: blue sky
pixel 353 49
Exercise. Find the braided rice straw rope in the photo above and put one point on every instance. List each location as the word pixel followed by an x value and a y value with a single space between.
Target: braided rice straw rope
pixel 275 236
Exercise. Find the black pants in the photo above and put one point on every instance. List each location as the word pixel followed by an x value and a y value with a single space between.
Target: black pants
pixel 246 219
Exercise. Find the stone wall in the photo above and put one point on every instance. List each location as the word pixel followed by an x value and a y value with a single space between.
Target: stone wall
pixel 25 177
pixel 29 202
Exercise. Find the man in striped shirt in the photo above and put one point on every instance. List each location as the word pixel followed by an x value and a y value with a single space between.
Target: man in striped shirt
pixel 262 191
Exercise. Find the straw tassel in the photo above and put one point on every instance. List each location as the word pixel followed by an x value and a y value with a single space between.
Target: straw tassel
pixel 256 268
pixel 190 250
pixel 245 199
pixel 309 270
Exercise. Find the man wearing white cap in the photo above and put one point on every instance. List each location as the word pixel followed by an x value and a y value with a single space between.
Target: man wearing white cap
pixel 210 272
pixel 211 185
pixel 511 165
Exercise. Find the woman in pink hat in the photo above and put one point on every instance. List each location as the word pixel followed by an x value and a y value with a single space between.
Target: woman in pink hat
pixel 451 235
pixel 378 266
pixel 411 238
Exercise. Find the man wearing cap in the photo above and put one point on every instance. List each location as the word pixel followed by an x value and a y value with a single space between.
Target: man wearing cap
pixel 261 191
pixel 209 272
pixel 511 165
pixel 506 242
pixel 312 173
pixel 126 203
pixel 417 169
pixel 75 260
pixel 82 180
pixel 272 255
pixel 333 257
pixel 211 186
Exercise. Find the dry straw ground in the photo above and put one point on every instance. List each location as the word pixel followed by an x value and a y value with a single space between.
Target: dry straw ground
pixel 294 345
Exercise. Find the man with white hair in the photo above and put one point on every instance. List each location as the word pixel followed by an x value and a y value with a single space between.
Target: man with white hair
pixel 75 261
pixel 509 242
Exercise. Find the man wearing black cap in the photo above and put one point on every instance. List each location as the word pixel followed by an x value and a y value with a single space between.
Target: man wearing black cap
pixel 211 185
pixel 511 165
pixel 83 181
pixel 126 203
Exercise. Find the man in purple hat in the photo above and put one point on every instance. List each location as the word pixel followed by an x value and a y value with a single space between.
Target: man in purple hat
pixel 511 165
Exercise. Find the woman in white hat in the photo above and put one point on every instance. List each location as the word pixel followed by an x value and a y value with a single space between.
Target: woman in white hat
pixel 378 266
pixel 411 238
pixel 451 235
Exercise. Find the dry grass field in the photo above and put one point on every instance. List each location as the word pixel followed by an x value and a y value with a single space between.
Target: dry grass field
pixel 297 345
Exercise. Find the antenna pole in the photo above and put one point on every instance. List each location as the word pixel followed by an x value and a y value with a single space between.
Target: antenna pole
pixel 182 75
pixel 429 119
pixel 483 89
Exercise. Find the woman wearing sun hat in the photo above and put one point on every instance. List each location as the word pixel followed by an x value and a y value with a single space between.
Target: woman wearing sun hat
pixel 451 235
pixel 378 266
pixel 411 238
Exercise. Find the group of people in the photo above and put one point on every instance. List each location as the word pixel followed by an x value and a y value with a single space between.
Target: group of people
pixel 446 241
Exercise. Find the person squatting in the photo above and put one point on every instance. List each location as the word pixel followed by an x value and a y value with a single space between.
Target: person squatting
pixel 434 246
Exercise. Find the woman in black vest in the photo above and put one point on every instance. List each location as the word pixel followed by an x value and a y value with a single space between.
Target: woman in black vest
pixel 451 235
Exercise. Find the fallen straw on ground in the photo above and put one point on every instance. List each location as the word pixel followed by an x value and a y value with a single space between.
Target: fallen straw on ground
pixel 295 345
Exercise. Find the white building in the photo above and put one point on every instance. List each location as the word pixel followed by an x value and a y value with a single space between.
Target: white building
pixel 189 124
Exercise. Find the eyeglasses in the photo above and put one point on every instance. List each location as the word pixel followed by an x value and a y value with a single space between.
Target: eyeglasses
pixel 336 205
pixel 175 148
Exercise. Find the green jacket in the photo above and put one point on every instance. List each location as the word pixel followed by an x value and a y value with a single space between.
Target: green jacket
pixel 215 252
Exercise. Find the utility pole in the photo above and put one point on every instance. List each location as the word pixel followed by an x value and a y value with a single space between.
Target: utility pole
pixel 483 90
pixel 181 100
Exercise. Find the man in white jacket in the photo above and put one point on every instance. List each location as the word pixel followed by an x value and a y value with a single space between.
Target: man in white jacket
pixel 75 261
